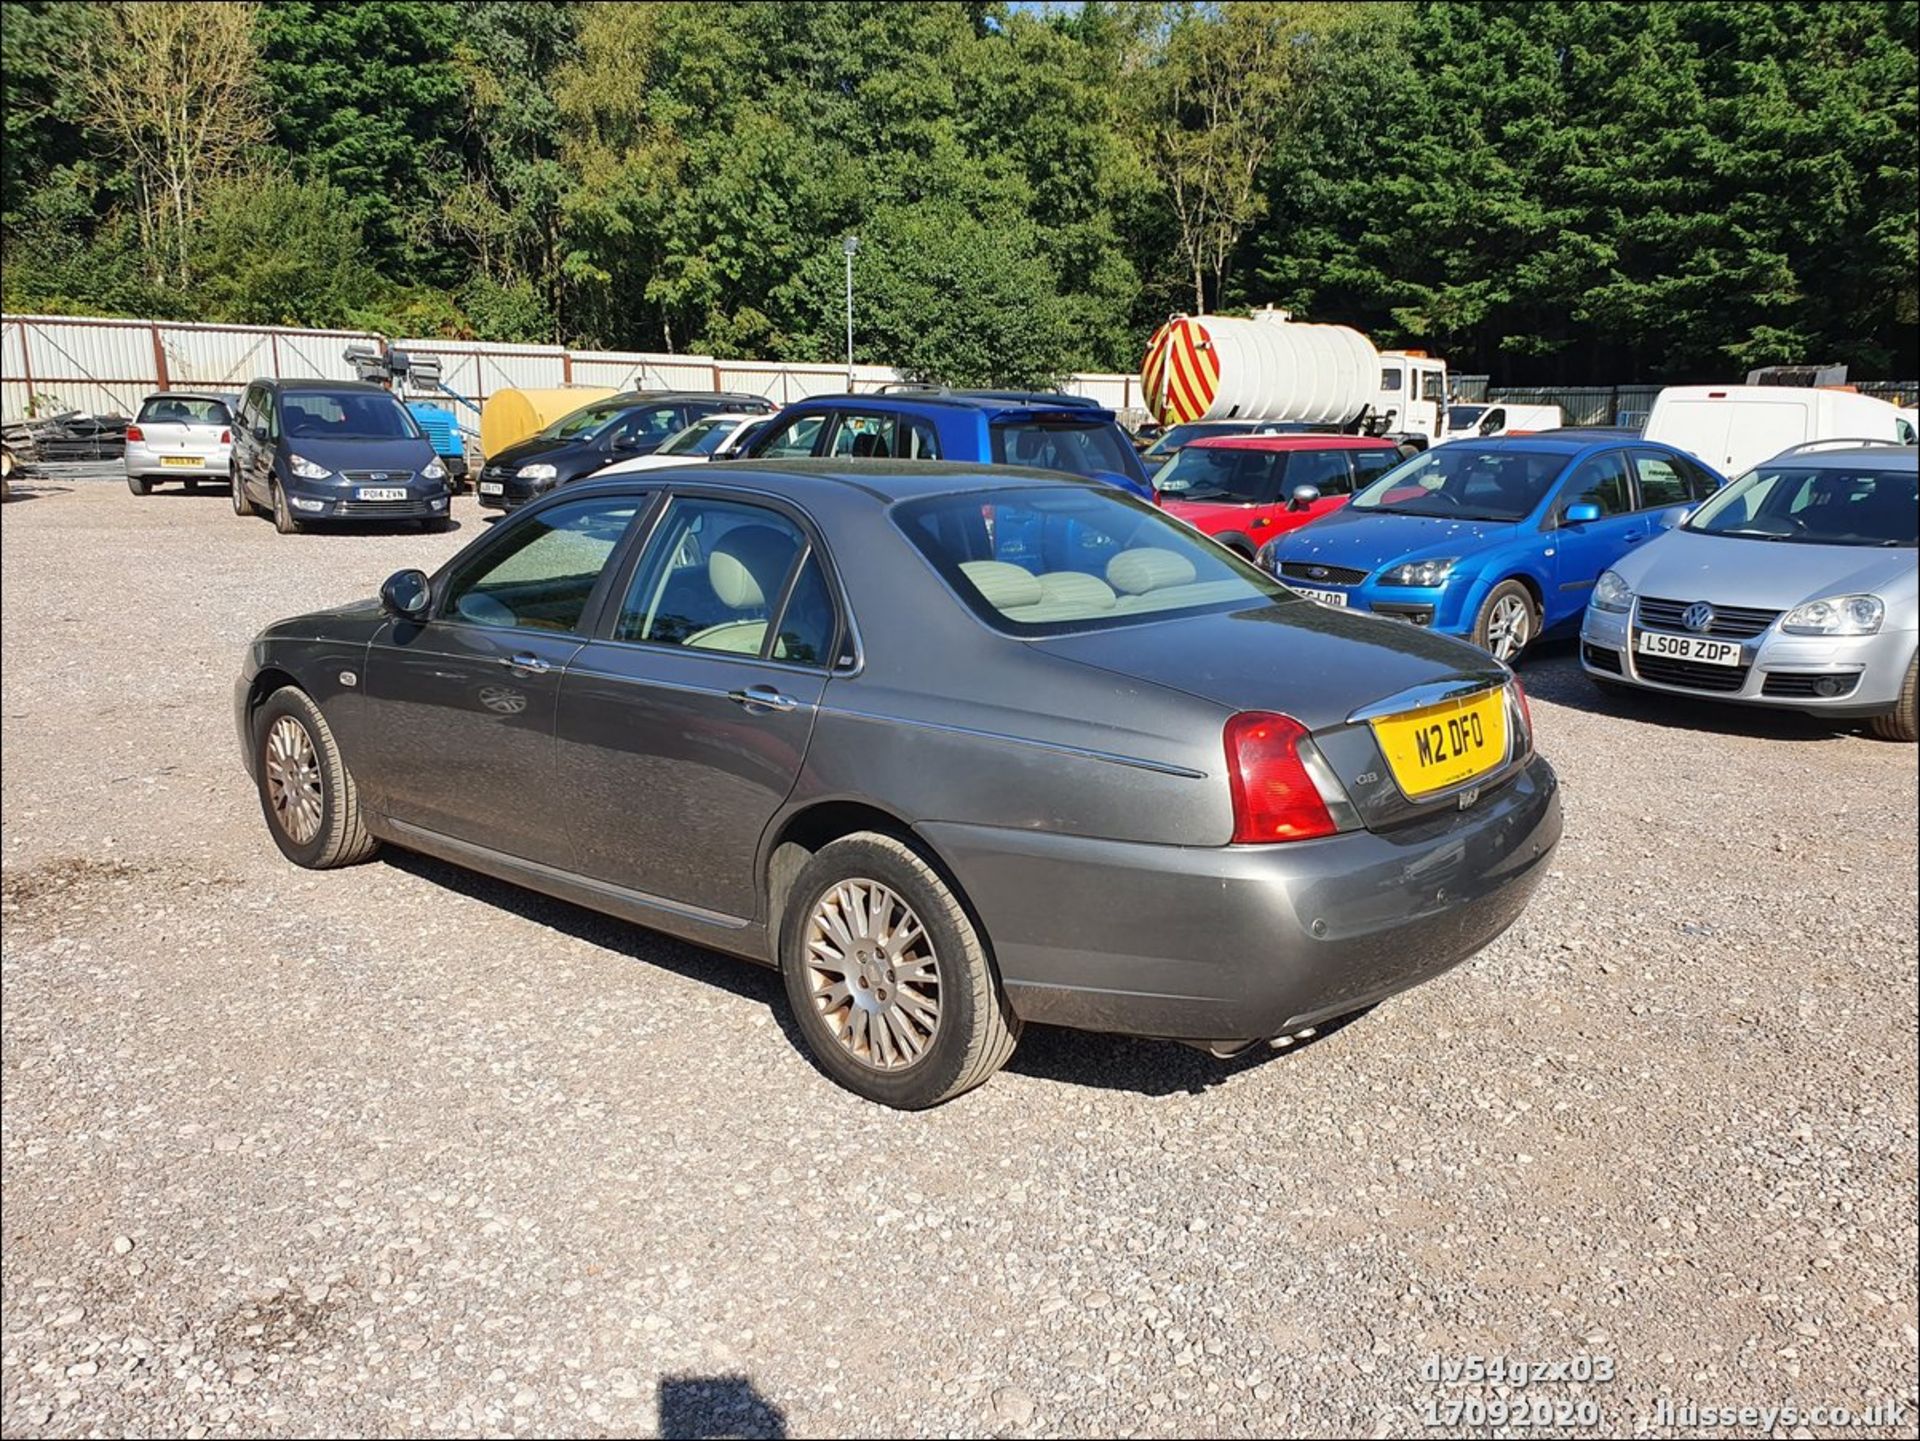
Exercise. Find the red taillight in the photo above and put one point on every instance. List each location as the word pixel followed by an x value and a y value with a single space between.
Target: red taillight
pixel 1526 712
pixel 134 433
pixel 1274 799
pixel 226 437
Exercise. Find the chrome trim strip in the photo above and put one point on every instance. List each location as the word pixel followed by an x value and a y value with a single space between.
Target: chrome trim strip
pixel 1165 768
pixel 1421 696
pixel 570 878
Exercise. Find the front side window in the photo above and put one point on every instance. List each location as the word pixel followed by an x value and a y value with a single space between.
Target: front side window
pixel 646 428
pixel 542 572
pixel 1370 465
pixel 1325 470
pixel 1063 558
pixel 346 415
pixel 1601 481
pixel 1222 475
pixel 1809 505
pixel 1390 379
pixel 1433 385
pixel 1465 481
pixel 703 437
pixel 719 575
pixel 796 438
pixel 183 410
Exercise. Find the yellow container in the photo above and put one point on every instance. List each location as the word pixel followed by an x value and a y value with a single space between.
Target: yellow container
pixel 510 416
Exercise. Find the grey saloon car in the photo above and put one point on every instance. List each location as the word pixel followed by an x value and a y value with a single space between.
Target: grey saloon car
pixel 1793 587
pixel 954 748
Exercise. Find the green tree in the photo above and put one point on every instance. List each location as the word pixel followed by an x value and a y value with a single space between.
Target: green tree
pixel 275 250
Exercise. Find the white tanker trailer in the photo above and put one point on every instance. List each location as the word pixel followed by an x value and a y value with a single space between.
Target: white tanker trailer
pixel 1272 367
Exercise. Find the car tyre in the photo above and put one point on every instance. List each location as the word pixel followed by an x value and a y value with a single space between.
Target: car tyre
pixel 904 973
pixel 283 520
pixel 238 492
pixel 307 794
pixel 1508 621
pixel 139 486
pixel 1899 724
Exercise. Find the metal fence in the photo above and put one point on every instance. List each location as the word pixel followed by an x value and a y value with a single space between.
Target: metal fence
pixel 53 363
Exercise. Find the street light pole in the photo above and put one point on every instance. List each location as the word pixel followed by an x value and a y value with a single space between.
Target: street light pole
pixel 850 244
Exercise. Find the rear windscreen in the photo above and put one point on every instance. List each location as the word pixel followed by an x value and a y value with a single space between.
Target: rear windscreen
pixel 1077 449
pixel 183 410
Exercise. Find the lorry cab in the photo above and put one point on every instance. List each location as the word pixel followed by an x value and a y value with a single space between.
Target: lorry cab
pixel 1413 394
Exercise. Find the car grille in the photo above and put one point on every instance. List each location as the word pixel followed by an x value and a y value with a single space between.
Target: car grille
pixel 1789 683
pixel 1730 622
pixel 375 509
pixel 1325 574
pixel 496 472
pixel 1663 670
pixel 378 477
pixel 1600 658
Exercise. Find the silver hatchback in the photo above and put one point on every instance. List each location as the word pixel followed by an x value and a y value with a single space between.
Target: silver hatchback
pixel 1795 586
pixel 180 435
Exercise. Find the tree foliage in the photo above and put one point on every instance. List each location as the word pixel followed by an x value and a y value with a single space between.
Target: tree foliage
pixel 1576 191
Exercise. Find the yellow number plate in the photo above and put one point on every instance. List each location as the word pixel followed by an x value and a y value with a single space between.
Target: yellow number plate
pixel 1444 745
pixel 185 462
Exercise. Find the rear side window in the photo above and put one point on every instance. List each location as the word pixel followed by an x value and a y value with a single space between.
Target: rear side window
pixel 863 437
pixel 1052 445
pixel 1700 481
pixel 1661 483
pixel 183 410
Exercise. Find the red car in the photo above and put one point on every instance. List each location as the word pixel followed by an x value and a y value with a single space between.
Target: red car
pixel 1245 489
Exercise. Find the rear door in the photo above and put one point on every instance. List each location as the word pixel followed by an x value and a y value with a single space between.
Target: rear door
pixel 1662 494
pixel 683 725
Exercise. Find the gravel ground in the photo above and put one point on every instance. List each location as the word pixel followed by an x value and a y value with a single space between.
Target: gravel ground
pixel 399 1149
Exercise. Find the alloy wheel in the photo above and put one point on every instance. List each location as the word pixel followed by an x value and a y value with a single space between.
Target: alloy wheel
pixel 1509 627
pixel 872 974
pixel 293 780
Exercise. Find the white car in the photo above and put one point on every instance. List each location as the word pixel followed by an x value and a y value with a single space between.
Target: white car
pixel 180 435
pixel 711 437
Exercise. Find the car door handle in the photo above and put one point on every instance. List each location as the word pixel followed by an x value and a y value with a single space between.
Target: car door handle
pixel 764 697
pixel 1634 535
pixel 526 661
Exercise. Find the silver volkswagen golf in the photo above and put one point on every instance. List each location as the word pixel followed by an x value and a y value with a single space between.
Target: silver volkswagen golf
pixel 1795 587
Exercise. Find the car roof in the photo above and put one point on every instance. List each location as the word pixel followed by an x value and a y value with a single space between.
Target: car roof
pixel 1552 442
pixel 651 397
pixel 1291 441
pixel 1849 457
pixel 880 480
pixel 222 396
pixel 994 404
pixel 326 387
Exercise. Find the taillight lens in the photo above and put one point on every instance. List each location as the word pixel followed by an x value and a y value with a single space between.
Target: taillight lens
pixel 1274 799
pixel 134 433
pixel 1526 718
pixel 226 437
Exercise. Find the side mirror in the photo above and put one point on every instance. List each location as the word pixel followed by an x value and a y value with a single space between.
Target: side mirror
pixel 1581 512
pixel 407 594
pixel 1303 496
pixel 624 442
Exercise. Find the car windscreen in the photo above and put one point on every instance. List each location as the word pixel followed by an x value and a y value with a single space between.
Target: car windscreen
pixel 1816 505
pixel 1462 481
pixel 579 424
pixel 183 410
pixel 1182 435
pixel 1074 447
pixel 1464 417
pixel 346 415
pixel 1045 560
pixel 1222 474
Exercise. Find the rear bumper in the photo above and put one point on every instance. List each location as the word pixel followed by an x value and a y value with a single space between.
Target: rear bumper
pixel 144 463
pixel 1240 943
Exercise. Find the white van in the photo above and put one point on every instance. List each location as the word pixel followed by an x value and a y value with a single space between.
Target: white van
pixel 1735 427
pixel 1500 417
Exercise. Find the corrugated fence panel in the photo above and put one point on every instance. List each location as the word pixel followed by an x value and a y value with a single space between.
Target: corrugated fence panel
pixel 476 370
pixel 103 366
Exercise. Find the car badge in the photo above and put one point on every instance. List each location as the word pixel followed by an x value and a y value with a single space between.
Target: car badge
pixel 1469 796
pixel 376 475
pixel 1697 616
pixel 1318 572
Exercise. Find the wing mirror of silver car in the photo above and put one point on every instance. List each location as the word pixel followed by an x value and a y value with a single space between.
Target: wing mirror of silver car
pixel 1582 513
pixel 407 594
pixel 1303 496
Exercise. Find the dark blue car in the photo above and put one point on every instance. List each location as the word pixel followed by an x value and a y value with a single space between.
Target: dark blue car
pixel 1498 541
pixel 1041 432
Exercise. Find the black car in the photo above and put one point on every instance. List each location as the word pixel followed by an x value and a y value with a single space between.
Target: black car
pixel 635 422
pixel 320 450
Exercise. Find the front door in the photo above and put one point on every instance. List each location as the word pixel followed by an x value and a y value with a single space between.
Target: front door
pixel 1581 550
pixel 681 732
pixel 466 702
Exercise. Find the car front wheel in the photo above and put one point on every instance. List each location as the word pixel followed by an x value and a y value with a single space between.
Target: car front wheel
pixel 283 520
pixel 890 982
pixel 1508 621
pixel 1901 723
pixel 306 792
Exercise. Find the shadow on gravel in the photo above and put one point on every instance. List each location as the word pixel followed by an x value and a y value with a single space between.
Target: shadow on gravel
pixel 16 490
pixel 695 1408
pixel 1551 672
pixel 1075 1058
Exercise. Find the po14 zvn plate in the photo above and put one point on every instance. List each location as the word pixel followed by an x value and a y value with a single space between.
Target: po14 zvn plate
pixel 381 492
pixel 1444 745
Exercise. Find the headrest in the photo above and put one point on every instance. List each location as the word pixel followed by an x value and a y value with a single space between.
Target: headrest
pixel 1148 568
pixel 748 565
pixel 1005 586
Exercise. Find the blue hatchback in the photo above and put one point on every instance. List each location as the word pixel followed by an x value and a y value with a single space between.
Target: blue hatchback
pixel 1041 432
pixel 1498 541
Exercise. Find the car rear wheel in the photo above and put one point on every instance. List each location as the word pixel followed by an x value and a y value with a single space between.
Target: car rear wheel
pixel 139 486
pixel 1899 723
pixel 1508 621
pixel 306 792
pixel 889 981
pixel 283 520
